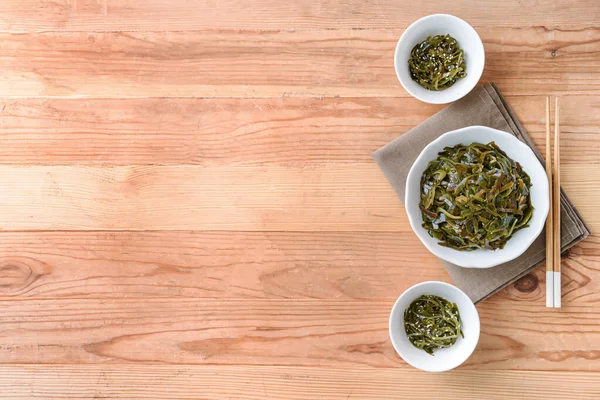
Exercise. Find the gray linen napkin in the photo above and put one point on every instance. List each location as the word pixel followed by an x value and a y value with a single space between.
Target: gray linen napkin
pixel 483 106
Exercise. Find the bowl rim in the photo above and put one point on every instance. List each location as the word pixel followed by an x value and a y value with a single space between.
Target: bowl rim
pixel 416 220
pixel 413 26
pixel 460 293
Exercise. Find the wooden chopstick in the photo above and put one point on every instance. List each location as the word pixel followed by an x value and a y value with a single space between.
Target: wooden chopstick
pixel 549 220
pixel 553 264
pixel 556 210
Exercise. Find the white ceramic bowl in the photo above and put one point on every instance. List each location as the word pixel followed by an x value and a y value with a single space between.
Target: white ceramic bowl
pixel 443 359
pixel 468 40
pixel 515 149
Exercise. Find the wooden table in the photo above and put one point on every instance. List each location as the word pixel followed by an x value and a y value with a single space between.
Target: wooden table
pixel 188 207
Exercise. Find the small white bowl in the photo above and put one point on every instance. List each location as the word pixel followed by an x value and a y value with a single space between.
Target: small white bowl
pixel 468 40
pixel 515 149
pixel 442 359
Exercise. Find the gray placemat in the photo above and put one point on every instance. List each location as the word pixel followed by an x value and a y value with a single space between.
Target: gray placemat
pixel 483 106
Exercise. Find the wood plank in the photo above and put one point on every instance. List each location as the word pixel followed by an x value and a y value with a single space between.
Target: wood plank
pixel 203 131
pixel 297 383
pixel 283 131
pixel 354 265
pixel 349 63
pixel 276 265
pixel 202 198
pixel 254 198
pixel 338 333
pixel 35 15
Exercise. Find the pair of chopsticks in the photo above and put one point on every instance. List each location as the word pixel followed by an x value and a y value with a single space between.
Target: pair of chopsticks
pixel 553 288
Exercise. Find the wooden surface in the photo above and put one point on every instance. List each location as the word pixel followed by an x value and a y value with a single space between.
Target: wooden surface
pixel 189 210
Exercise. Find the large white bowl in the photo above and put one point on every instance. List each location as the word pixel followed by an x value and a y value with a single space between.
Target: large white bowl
pixel 443 359
pixel 468 40
pixel 515 149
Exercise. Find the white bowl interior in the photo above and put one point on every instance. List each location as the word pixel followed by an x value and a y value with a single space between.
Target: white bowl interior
pixel 468 40
pixel 516 150
pixel 443 359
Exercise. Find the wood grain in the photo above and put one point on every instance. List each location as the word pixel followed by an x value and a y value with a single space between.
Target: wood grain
pixel 134 382
pixel 359 265
pixel 252 198
pixel 349 63
pixel 253 265
pixel 295 332
pixel 283 131
pixel 35 15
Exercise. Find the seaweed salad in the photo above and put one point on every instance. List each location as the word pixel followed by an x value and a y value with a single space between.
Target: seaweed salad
pixel 437 62
pixel 432 322
pixel 474 197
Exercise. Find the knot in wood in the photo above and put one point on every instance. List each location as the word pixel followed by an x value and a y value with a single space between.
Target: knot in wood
pixel 527 284
pixel 14 275
pixel 18 273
